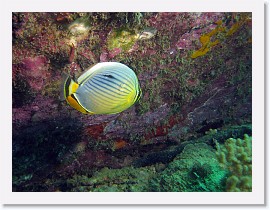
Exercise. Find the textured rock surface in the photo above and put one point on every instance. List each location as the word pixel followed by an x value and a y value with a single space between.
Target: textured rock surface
pixel 196 169
pixel 182 96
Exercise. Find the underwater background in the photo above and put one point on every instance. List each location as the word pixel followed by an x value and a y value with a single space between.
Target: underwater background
pixel 189 132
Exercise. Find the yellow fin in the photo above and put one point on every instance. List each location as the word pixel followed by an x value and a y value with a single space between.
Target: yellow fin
pixel 74 103
pixel 68 86
pixel 73 86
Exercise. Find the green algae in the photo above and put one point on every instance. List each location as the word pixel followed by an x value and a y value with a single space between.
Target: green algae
pixel 127 179
pixel 122 38
pixel 196 169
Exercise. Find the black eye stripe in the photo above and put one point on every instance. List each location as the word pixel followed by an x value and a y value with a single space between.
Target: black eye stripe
pixel 72 96
pixel 67 87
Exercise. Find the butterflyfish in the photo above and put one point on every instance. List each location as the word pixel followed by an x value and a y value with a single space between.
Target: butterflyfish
pixel 105 88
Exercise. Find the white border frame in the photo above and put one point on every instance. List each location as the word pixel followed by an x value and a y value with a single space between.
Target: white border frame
pixel 257 196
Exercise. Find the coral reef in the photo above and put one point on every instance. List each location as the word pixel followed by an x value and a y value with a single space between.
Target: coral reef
pixel 236 156
pixel 126 179
pixel 182 99
pixel 196 169
pixel 167 155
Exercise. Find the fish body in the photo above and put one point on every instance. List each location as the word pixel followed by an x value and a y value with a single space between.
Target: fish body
pixel 105 88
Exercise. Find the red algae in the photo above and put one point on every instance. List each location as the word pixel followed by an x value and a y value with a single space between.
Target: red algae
pixel 119 144
pixel 95 131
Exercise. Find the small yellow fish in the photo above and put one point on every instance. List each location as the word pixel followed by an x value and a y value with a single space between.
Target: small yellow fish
pixel 105 88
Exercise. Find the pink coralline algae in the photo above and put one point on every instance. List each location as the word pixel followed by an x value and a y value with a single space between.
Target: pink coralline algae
pixel 104 57
pixel 40 109
pixel 21 115
pixel 114 52
pixel 36 71
pixel 108 55
pixel 187 39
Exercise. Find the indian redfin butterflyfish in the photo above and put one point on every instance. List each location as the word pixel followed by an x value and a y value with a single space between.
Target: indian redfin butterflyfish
pixel 105 88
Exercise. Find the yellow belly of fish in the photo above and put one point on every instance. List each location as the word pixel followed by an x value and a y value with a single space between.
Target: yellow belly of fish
pixel 72 102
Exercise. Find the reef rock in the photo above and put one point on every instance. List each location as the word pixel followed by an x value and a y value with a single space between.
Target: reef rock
pixel 183 96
